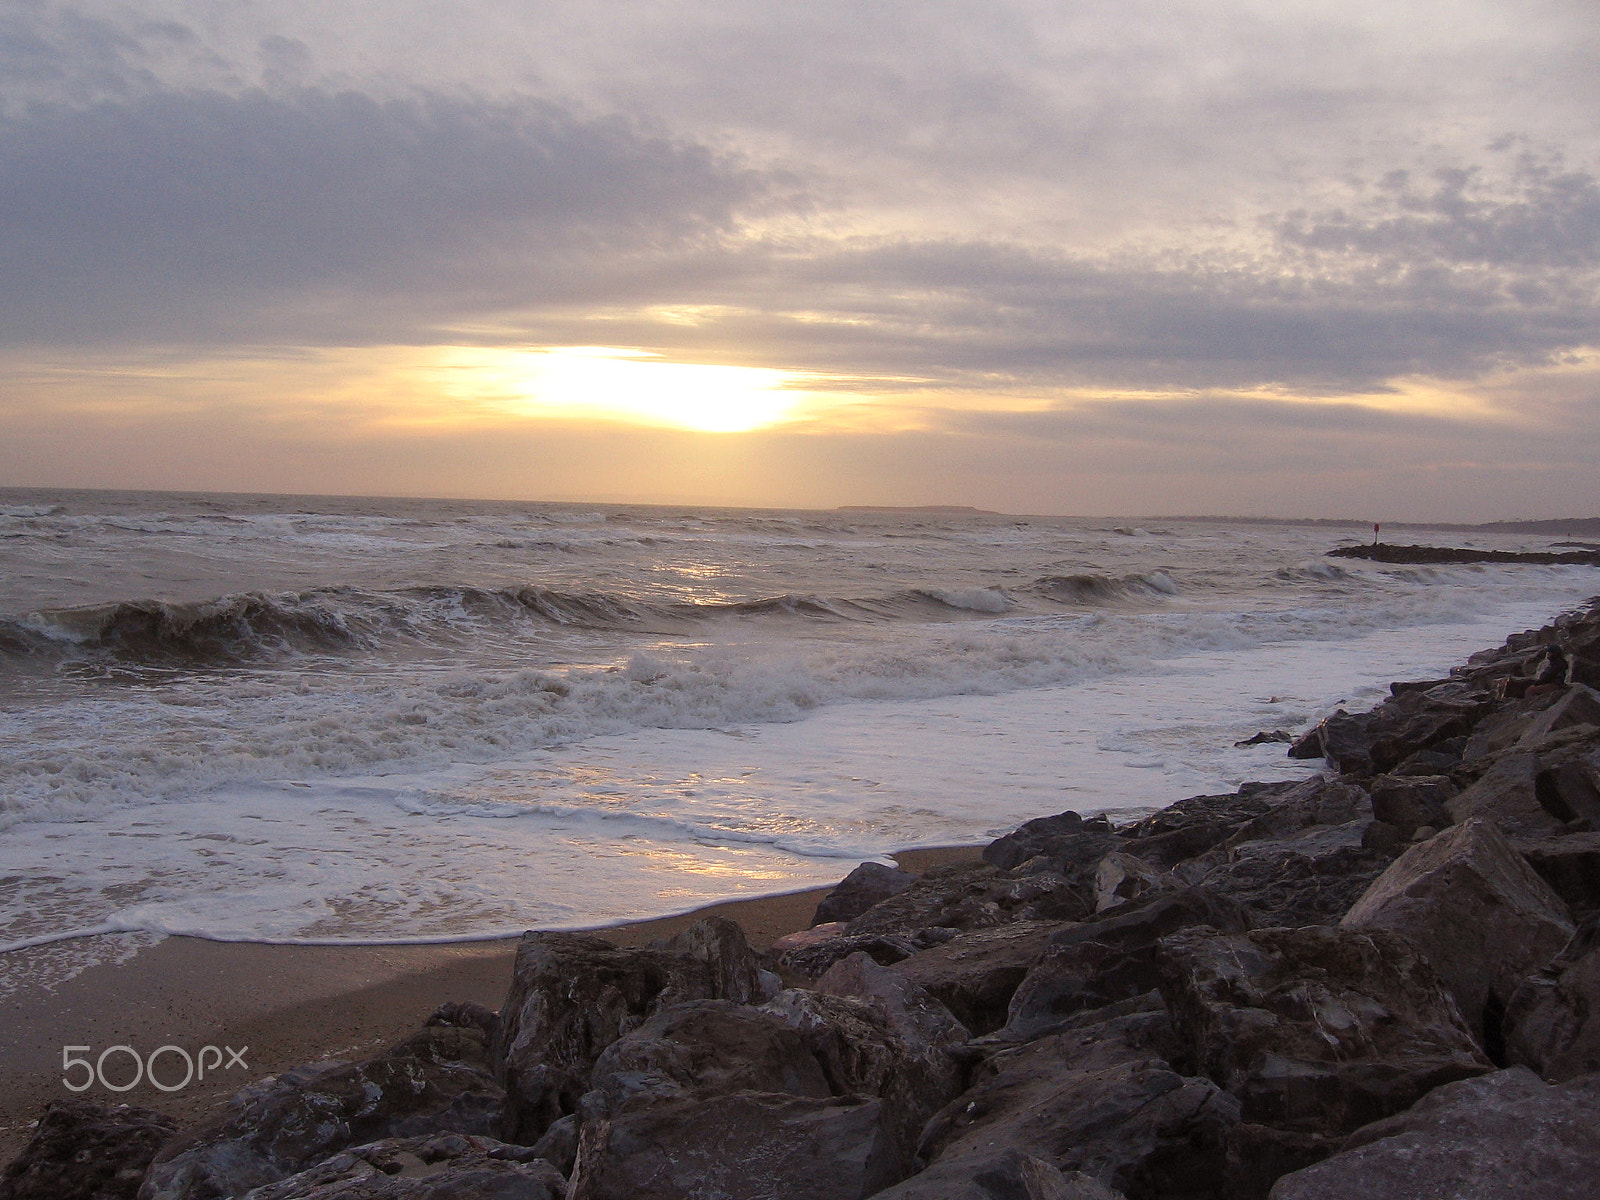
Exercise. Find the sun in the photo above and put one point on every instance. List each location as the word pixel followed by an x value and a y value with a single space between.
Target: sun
pixel 636 385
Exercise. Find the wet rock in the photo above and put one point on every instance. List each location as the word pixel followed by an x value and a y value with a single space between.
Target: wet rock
pixel 1499 1136
pixel 1479 912
pixel 1553 1021
pixel 1101 1099
pixel 1308 878
pixel 975 974
pixel 1110 959
pixel 1570 865
pixel 1065 838
pixel 572 995
pixel 1507 794
pixel 1008 1175
pixel 1343 739
pixel 441 1167
pixel 1316 1030
pixel 1192 826
pixel 1120 877
pixel 436 1081
pixel 1409 802
pixel 869 884
pixel 84 1151
pixel 1265 738
pixel 747 1146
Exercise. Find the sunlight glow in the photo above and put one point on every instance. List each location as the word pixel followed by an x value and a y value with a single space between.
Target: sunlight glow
pixel 634 385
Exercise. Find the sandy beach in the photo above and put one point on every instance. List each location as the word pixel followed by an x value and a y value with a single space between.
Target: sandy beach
pixel 286 1005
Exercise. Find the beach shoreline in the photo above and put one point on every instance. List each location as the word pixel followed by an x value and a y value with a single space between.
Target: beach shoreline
pixel 285 1005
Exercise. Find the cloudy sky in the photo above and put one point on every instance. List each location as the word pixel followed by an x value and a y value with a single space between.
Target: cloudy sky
pixel 1291 257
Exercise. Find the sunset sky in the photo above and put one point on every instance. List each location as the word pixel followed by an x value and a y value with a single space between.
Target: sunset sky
pixel 1288 257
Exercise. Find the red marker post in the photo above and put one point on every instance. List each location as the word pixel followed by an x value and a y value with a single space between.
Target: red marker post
pixel 1375 528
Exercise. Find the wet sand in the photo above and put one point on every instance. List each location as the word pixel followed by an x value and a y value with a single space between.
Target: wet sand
pixel 284 1005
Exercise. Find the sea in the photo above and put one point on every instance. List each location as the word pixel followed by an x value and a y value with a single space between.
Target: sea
pixel 349 720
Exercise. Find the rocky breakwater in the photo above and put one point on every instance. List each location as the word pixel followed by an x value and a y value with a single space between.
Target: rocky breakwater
pixel 1380 982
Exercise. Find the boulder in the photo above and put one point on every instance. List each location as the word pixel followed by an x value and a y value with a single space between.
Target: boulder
pixel 746 1146
pixel 1570 865
pixel 1570 791
pixel 1008 1175
pixel 1577 705
pixel 869 884
pixel 84 1151
pixel 1479 912
pixel 1498 1136
pixel 812 957
pixel 1310 877
pixel 1316 1030
pixel 441 1167
pixel 1344 740
pixel 964 896
pixel 572 995
pixel 1553 1021
pixel 1110 959
pixel 974 974
pixel 1192 826
pixel 1101 1099
pixel 1409 802
pixel 436 1081
pixel 1508 794
pixel 1307 804
pixel 1066 839
pixel 1120 877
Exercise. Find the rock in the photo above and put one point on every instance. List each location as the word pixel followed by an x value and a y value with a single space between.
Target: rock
pixel 84 1151
pixel 869 884
pixel 1313 802
pixel 1384 838
pixel 1120 877
pixel 1577 705
pixel 1508 795
pixel 974 975
pixel 441 1167
pixel 1553 1021
pixel 1502 729
pixel 1570 865
pixel 1316 1030
pixel 813 960
pixel 1438 759
pixel 747 1146
pixel 1409 802
pixel 572 995
pixel 1479 912
pixel 1570 792
pixel 1065 838
pixel 1491 1138
pixel 559 1145
pixel 1343 739
pixel 1101 1099
pixel 1259 1155
pixel 1308 878
pixel 1265 738
pixel 1008 1175
pixel 1192 826
pixel 436 1081
pixel 963 897
pixel 1110 959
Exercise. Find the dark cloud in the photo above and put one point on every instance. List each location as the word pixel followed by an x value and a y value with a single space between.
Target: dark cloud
pixel 153 215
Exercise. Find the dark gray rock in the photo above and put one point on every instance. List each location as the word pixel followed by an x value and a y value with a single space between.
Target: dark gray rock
pixel 964 897
pixel 1507 793
pixel 813 960
pixel 84 1151
pixel 1577 705
pixel 1570 791
pixel 1008 1175
pixel 1493 1138
pixel 1311 877
pixel 975 974
pixel 1110 959
pixel 441 1167
pixel 1478 911
pixel 436 1081
pixel 1344 740
pixel 1066 839
pixel 1553 1021
pixel 869 884
pixel 1316 1030
pixel 1192 826
pixel 1409 802
pixel 572 995
pixel 1122 877
pixel 1101 1099
pixel 747 1146
pixel 1570 865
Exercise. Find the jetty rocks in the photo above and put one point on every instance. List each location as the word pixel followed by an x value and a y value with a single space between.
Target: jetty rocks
pixel 1383 981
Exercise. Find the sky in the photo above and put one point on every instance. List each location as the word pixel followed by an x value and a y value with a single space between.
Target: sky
pixel 1243 257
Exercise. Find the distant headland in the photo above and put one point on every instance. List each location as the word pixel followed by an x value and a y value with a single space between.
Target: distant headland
pixel 962 509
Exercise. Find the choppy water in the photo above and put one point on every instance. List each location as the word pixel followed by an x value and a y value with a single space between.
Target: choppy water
pixel 316 719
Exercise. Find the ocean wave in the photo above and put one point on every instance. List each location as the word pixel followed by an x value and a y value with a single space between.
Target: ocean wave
pixel 1105 589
